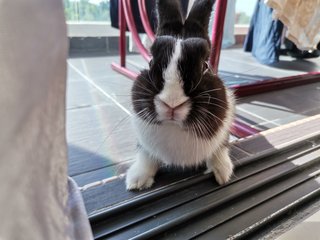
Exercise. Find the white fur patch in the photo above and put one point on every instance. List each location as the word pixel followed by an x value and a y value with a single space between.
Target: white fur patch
pixel 172 145
pixel 141 174
pixel 172 92
pixel 221 165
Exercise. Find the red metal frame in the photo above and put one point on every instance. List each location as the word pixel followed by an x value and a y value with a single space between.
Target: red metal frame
pixel 122 46
pixel 217 33
pixel 275 84
pixel 133 29
pixel 125 17
pixel 242 130
pixel 145 20
pixel 239 129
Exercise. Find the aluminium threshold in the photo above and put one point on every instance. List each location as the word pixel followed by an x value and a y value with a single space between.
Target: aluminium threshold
pixel 277 171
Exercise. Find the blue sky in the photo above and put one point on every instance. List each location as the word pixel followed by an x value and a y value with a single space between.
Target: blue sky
pixel 246 6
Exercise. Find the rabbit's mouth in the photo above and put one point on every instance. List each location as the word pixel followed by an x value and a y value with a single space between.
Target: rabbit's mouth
pixel 172 113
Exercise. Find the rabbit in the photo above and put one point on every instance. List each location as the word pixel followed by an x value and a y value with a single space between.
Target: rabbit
pixel 183 113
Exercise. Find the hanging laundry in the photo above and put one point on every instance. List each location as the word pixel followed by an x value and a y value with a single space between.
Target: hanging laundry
pixel 302 18
pixel 264 36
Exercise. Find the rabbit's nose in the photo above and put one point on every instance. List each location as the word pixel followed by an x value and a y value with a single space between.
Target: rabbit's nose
pixel 165 104
pixel 172 106
pixel 170 110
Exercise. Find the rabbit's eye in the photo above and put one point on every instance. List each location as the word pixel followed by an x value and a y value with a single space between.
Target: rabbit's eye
pixel 205 67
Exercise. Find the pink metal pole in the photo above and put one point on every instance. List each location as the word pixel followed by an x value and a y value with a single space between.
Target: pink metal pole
pixel 241 130
pixel 217 33
pixel 145 20
pixel 124 71
pixel 132 27
pixel 275 84
pixel 122 47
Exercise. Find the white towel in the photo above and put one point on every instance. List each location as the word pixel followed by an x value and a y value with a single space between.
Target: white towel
pixel 302 18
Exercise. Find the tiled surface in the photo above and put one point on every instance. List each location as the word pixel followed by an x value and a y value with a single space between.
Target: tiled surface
pixel 99 132
pixel 281 107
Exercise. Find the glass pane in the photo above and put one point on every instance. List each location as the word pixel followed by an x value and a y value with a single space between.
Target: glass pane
pixel 244 11
pixel 87 10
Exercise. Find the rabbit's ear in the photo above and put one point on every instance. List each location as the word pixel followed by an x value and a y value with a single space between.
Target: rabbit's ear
pixel 197 22
pixel 170 18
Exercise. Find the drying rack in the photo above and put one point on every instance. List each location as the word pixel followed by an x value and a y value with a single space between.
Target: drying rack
pixel 239 129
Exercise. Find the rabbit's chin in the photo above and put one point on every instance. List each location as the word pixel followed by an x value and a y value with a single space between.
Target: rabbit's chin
pixel 179 124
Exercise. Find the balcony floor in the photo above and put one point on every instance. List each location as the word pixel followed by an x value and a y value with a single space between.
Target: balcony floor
pixel 101 139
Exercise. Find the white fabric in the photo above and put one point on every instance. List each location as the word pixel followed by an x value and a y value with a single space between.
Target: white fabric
pixel 78 228
pixel 302 18
pixel 33 160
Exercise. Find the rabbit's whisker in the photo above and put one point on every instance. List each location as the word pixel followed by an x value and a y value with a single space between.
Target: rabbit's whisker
pixel 210 97
pixel 204 111
pixel 214 104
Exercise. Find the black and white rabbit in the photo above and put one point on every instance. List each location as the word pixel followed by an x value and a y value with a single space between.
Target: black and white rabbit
pixel 182 111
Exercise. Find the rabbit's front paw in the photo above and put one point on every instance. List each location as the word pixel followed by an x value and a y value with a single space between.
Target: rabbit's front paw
pixel 221 166
pixel 138 179
pixel 223 172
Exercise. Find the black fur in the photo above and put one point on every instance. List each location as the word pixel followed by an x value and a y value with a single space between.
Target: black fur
pixel 197 22
pixel 171 21
pixel 170 18
pixel 206 91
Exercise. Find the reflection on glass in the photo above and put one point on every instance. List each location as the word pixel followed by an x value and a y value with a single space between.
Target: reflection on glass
pixel 87 10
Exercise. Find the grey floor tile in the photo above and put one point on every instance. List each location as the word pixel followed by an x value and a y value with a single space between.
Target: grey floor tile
pixel 234 60
pixel 93 67
pixel 74 76
pixel 282 104
pixel 280 107
pixel 118 87
pixel 82 94
pixel 98 136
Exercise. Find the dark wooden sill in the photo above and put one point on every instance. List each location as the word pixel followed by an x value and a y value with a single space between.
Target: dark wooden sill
pixel 276 172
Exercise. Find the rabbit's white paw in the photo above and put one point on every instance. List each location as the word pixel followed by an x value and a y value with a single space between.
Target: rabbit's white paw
pixel 223 173
pixel 221 166
pixel 141 174
pixel 137 179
